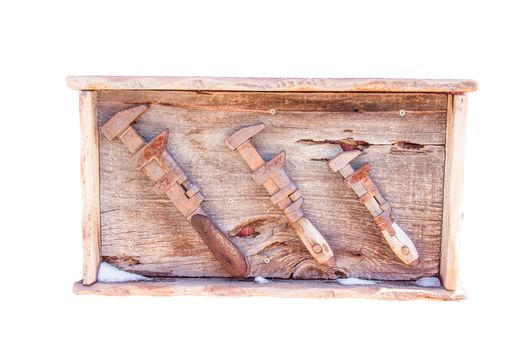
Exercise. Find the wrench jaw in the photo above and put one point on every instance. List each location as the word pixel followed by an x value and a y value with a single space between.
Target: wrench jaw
pixel 121 121
pixel 243 135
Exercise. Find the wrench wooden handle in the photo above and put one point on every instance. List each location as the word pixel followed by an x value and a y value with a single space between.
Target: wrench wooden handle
pixel 315 243
pixel 402 245
pixel 229 256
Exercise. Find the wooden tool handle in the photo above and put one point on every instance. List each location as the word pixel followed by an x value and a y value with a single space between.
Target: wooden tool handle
pixel 229 256
pixel 402 245
pixel 314 241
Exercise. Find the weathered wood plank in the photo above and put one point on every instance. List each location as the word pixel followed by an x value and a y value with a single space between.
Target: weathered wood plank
pixel 269 102
pixel 90 185
pixel 275 288
pixel 453 215
pixel 143 233
pixel 270 84
pixel 363 114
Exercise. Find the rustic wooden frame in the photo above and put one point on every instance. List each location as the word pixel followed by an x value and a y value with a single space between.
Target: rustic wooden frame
pixel 91 238
pixel 456 119
pixel 452 210
pixel 274 288
pixel 452 86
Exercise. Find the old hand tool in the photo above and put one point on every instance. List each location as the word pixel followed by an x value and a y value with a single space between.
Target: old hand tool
pixel 154 159
pixel 361 183
pixel 283 191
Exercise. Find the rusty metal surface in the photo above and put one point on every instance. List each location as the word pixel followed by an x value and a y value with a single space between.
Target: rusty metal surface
pixel 223 249
pixel 152 150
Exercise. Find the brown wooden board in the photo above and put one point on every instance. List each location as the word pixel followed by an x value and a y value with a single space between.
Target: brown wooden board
pixel 142 232
pixel 453 86
pixel 277 288
pixel 90 186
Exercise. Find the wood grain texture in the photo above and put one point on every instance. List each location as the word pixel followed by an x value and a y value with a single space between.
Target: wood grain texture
pixel 142 233
pixel 270 84
pixel 275 288
pixel 452 212
pixel 90 186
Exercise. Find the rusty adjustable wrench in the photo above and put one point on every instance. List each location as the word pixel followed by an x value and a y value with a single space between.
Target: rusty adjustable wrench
pixel 154 159
pixel 283 191
pixel 369 195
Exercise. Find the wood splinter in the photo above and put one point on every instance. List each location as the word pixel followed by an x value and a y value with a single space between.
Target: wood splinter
pixel 170 179
pixel 369 195
pixel 283 191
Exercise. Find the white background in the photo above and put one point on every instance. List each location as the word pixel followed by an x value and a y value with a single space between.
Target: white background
pixel 40 251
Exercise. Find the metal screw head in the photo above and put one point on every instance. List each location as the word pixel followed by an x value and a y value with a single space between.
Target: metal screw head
pixel 267 260
pixel 272 111
pixel 317 248
pixel 405 250
pixel 402 112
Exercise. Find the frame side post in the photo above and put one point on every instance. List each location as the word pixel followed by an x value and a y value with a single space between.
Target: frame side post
pixel 453 189
pixel 91 218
